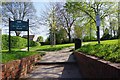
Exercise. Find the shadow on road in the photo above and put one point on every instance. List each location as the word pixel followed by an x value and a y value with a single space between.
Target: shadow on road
pixel 71 70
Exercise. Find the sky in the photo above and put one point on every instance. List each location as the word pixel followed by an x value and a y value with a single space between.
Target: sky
pixel 43 31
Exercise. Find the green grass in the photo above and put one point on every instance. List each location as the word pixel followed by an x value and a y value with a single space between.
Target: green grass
pixel 103 42
pixel 89 49
pixel 51 48
pixel 109 52
pixel 13 49
pixel 14 55
pixel 17 54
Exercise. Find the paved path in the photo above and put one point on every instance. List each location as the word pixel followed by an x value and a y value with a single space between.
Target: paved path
pixel 56 70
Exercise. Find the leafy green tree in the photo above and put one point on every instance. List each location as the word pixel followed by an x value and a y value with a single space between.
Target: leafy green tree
pixel 78 32
pixel 113 27
pixel 88 38
pixel 106 35
pixel 40 39
pixel 91 9
pixel 118 24
pixel 61 35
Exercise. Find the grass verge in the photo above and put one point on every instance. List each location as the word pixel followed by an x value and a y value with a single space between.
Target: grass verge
pixel 51 48
pixel 17 54
pixel 103 51
pixel 14 55
pixel 102 42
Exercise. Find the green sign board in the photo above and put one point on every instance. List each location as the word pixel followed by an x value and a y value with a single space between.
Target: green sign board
pixel 18 25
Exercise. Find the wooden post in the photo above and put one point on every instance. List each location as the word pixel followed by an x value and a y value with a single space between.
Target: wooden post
pixel 9 37
pixel 28 33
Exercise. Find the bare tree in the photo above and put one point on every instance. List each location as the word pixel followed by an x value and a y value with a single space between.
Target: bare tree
pixel 67 20
pixel 49 18
pixel 60 18
pixel 18 11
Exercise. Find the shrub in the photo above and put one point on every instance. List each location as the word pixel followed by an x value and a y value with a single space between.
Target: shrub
pixel 4 42
pixel 40 39
pixel 16 42
pixel 87 38
pixel 33 43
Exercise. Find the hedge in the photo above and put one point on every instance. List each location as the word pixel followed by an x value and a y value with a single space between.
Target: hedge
pixel 33 43
pixel 16 42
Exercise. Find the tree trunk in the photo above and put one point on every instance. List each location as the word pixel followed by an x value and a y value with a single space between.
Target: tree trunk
pixel 17 33
pixel 103 29
pixel 69 37
pixel 51 38
pixel 114 32
pixel 119 32
pixel 111 31
pixel 90 33
pixel 54 39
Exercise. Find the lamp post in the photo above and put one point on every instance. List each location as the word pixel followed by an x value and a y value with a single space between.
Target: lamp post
pixel 98 27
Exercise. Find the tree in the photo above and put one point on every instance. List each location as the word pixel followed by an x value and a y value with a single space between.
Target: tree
pixel 0 12
pixel 92 9
pixel 66 20
pixel 49 18
pixel 106 35
pixel 40 39
pixel 61 18
pixel 61 35
pixel 113 27
pixel 78 32
pixel 118 23
pixel 18 11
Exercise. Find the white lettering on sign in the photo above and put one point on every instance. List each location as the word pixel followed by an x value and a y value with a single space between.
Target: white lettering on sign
pixel 19 25
pixel 18 21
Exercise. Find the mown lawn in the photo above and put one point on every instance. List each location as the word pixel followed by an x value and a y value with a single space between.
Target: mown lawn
pixel 101 51
pixel 18 54
pixel 107 50
pixel 51 48
pixel 102 42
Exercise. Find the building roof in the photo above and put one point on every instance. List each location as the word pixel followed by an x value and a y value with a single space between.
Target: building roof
pixel 30 36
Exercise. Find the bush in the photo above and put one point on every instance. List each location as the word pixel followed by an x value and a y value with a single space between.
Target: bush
pixel 87 38
pixel 5 42
pixel 33 43
pixel 106 37
pixel 40 39
pixel 16 42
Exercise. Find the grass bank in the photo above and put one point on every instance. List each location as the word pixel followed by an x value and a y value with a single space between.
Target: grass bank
pixel 14 55
pixel 108 49
pixel 115 41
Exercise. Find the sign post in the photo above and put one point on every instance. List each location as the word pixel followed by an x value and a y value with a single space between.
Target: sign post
pixel 9 37
pixel 18 25
pixel 98 27
pixel 28 33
